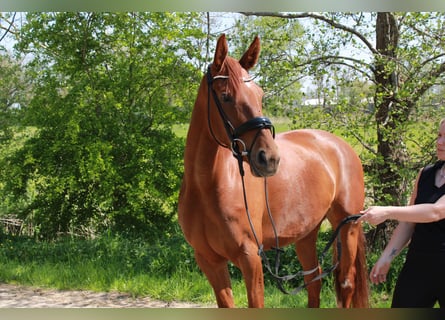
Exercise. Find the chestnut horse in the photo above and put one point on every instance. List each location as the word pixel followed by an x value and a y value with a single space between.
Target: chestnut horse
pixel 311 175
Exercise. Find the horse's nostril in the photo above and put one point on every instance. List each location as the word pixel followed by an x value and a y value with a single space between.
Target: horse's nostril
pixel 262 159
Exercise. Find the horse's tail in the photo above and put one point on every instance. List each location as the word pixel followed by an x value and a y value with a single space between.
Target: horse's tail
pixel 360 299
pixel 360 296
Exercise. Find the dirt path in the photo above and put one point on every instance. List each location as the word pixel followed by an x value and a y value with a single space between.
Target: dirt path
pixel 13 296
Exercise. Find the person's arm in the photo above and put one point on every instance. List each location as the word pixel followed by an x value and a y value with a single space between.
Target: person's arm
pixel 400 238
pixel 417 213
pixel 425 212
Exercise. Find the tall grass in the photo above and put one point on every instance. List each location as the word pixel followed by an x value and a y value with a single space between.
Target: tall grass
pixel 161 269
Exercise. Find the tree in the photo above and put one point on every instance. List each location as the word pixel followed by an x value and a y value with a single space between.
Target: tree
pixel 11 81
pixel 107 89
pixel 281 47
pixel 406 62
pixel 12 96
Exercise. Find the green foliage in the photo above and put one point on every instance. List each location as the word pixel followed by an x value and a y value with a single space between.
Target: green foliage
pixel 12 96
pixel 107 87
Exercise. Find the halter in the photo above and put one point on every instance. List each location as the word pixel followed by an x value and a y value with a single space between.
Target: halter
pixel 234 134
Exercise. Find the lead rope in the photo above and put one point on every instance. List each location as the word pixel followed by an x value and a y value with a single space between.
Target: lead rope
pixel 279 279
pixel 275 274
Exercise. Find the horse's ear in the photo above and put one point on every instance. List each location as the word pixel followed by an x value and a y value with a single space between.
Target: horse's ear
pixel 221 52
pixel 250 57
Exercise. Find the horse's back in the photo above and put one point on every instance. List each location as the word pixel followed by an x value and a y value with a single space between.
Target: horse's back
pixel 326 148
pixel 317 141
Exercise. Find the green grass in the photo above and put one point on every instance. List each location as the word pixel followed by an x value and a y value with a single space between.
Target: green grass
pixel 161 269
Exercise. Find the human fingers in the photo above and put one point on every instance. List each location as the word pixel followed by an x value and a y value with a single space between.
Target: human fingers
pixel 365 218
pixel 372 273
pixel 377 278
pixel 378 273
pixel 362 218
pixel 372 215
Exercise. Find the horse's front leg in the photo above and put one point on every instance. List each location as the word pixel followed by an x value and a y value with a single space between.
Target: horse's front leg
pixel 217 272
pixel 252 269
pixel 306 250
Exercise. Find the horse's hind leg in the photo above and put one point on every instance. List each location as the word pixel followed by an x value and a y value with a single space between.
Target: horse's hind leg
pixel 307 255
pixel 217 272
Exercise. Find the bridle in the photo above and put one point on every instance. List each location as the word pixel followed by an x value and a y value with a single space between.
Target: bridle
pixel 234 134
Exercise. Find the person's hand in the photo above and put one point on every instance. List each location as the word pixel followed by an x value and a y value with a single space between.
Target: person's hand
pixel 380 270
pixel 373 215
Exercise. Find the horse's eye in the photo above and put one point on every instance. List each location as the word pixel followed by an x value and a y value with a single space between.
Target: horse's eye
pixel 226 97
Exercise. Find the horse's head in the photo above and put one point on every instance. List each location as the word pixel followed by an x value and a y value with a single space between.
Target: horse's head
pixel 235 110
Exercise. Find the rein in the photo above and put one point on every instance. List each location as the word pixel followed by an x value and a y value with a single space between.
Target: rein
pixel 275 273
pixel 234 134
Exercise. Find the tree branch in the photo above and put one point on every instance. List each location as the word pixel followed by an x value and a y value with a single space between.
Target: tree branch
pixel 317 17
pixel 8 29
pixel 340 60
pixel 433 75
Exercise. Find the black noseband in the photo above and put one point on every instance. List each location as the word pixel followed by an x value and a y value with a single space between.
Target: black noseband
pixel 254 124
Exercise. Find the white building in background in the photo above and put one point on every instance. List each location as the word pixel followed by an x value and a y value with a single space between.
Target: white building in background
pixel 314 102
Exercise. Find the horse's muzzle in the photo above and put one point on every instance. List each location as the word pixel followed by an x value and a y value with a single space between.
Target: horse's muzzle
pixel 264 163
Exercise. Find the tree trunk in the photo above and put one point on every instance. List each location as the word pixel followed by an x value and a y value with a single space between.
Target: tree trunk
pixel 391 117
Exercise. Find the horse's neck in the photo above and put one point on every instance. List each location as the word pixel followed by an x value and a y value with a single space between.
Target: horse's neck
pixel 201 148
